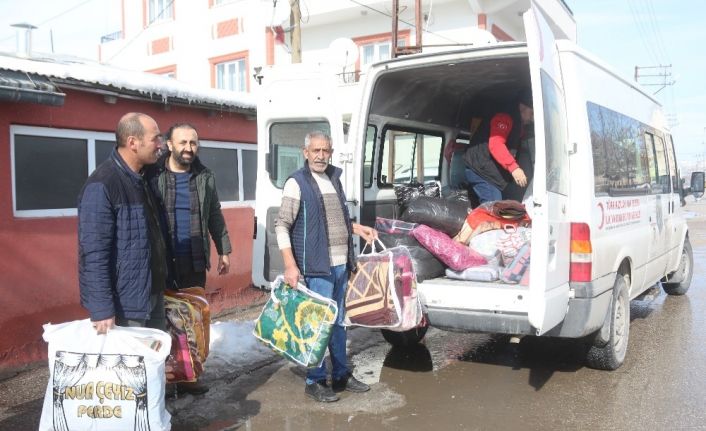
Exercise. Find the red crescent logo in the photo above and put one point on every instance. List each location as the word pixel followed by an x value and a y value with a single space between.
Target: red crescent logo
pixel 600 206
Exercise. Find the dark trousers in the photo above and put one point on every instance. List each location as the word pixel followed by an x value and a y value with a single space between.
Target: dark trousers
pixel 186 276
pixel 157 318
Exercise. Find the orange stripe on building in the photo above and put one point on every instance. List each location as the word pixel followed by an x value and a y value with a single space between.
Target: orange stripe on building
pixel 227 28
pixel 160 46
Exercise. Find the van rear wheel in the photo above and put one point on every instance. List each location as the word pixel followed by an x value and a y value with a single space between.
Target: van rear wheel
pixel 610 354
pixel 679 282
pixel 406 338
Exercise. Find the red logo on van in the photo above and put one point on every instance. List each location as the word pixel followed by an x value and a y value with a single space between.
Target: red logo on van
pixel 619 212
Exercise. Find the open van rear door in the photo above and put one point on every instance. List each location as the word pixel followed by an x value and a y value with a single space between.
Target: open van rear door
pixel 549 267
pixel 295 100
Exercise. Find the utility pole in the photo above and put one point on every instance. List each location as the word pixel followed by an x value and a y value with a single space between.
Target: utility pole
pixel 661 77
pixel 295 18
pixel 417 47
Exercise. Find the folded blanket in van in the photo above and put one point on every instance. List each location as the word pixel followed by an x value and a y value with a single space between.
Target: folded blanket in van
pixel 475 273
pixel 490 216
pixel 507 241
pixel 454 255
pixel 441 214
pixel 515 271
pixel 406 193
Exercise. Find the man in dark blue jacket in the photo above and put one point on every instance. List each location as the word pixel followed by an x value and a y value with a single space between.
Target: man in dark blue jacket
pixel 121 233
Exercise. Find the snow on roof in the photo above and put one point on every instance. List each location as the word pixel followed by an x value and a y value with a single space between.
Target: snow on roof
pixel 150 85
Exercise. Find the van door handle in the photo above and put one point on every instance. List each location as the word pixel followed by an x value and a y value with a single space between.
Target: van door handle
pixel 552 247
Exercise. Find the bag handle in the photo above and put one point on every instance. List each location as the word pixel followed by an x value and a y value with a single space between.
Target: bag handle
pixel 376 243
pixel 509 228
pixel 300 287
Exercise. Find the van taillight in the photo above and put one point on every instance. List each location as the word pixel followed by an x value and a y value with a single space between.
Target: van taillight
pixel 580 267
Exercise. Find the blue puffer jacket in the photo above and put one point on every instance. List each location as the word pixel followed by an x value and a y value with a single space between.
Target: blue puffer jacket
pixel 114 252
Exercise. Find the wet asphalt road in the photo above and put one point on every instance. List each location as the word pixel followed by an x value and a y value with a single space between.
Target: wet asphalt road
pixel 465 381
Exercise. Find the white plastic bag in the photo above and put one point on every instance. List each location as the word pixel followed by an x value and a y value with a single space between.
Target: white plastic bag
pixel 105 382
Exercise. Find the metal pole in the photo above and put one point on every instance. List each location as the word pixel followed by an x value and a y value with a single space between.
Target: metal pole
pixel 295 21
pixel 395 17
pixel 418 23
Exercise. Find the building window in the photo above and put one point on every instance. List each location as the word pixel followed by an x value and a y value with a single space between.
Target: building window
pixel 375 48
pixel 231 75
pixel 160 10
pixel 374 52
pixel 57 157
pixel 64 158
pixel 235 169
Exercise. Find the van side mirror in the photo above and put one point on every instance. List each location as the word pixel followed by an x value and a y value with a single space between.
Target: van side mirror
pixel 697 184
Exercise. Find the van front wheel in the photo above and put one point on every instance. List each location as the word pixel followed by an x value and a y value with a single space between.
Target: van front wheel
pixel 679 282
pixel 610 355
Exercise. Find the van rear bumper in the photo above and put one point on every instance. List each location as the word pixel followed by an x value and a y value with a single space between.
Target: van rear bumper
pixel 585 314
pixel 453 319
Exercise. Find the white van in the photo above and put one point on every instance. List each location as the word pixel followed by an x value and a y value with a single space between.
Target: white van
pixel 607 223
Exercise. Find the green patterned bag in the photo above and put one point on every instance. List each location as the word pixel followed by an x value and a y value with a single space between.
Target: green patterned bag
pixel 296 323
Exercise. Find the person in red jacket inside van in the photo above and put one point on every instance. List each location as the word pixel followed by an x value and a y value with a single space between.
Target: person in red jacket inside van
pixel 490 164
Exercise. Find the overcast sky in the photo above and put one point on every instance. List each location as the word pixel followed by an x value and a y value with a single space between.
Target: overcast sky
pixel 625 33
pixel 75 26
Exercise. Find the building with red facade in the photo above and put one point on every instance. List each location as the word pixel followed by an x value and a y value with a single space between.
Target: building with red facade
pixel 57 122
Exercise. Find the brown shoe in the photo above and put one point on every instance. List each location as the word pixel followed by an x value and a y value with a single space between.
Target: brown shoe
pixel 193 388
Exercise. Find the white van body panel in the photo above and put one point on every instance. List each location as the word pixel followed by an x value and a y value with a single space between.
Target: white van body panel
pixel 292 93
pixel 653 223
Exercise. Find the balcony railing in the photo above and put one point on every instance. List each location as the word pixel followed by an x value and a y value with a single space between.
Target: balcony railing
pixel 112 36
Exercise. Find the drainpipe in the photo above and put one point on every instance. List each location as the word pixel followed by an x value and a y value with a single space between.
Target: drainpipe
pixel 24 44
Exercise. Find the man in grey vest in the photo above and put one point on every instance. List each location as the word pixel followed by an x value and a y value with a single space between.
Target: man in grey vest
pixel 314 233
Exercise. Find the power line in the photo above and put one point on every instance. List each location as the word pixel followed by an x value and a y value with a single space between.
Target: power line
pixel 63 13
pixel 659 42
pixel 643 33
pixel 406 22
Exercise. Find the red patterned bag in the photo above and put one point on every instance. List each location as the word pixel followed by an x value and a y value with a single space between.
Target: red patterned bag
pixel 371 299
pixel 188 321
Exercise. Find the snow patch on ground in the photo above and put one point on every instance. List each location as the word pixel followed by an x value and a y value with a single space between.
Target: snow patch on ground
pixel 233 343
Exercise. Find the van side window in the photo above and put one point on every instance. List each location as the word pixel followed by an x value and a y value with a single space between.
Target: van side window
pixel 555 137
pixel 370 135
pixel 657 160
pixel 672 164
pixel 620 157
pixel 286 144
pixel 409 157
